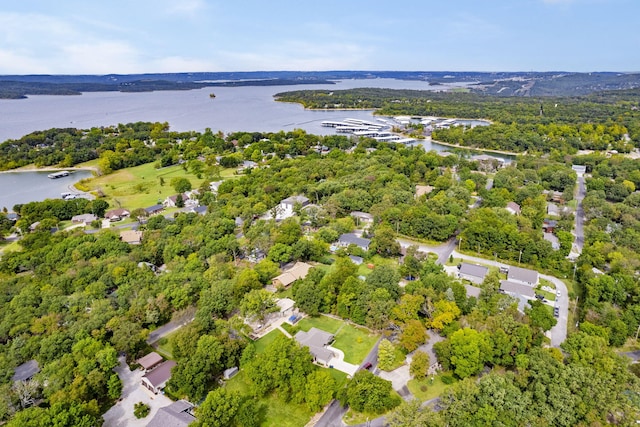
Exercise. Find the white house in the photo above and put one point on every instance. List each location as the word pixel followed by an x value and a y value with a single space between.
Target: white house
pixel 286 207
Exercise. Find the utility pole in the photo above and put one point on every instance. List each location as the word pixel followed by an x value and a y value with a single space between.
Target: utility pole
pixel 520 257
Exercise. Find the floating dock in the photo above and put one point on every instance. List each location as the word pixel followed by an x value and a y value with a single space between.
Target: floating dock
pixel 56 175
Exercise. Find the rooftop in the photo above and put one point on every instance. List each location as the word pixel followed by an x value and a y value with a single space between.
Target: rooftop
pixel 295 199
pixel 517 288
pixel 350 238
pixel 175 415
pixel 473 270
pixel 25 371
pixel 522 275
pixel 150 360
pixel 161 374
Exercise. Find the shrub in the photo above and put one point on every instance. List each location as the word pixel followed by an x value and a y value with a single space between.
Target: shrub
pixel 447 379
pixel 141 410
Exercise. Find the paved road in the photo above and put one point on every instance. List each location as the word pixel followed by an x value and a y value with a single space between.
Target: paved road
pixel 167 328
pixel 559 332
pixel 443 251
pixel 579 217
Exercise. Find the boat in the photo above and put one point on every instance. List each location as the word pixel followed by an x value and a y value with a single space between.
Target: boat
pixel 59 174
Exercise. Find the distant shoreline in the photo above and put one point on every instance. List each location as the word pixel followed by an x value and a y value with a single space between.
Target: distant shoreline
pixel 49 169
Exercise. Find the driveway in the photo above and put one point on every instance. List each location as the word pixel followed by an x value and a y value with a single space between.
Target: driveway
pixel 121 414
pixel 338 362
pixel 443 251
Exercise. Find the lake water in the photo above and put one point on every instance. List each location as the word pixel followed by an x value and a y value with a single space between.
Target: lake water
pixel 249 108
pixel 23 187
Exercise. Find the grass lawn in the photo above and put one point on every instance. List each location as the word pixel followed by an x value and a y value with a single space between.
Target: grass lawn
pixel 139 187
pixel 263 342
pixel 275 412
pixel 325 323
pixel 164 347
pixel 425 390
pixel 355 342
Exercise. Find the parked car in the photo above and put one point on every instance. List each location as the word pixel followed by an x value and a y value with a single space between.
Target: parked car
pixel 556 311
pixel 367 365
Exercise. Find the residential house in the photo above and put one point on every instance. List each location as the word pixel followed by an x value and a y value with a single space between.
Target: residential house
pixel 85 219
pixel 150 361
pixel 200 210
pixel 317 341
pixel 551 238
pixel 286 207
pixel 421 190
pixel 487 163
pixel 351 239
pixel 214 186
pixel 523 276
pixel 549 225
pixel 187 200
pixel 178 414
pixel 357 260
pixel 26 371
pixel 472 291
pixel 473 272
pixel 153 210
pixel 156 379
pixel 362 218
pixel 517 289
pixel 513 208
pixel 247 164
pixel 297 272
pixel 552 209
pixel 117 214
pixel 12 216
pixel 286 306
pixel 132 237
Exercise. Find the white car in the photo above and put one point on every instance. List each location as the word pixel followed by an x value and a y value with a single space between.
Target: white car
pixel 557 294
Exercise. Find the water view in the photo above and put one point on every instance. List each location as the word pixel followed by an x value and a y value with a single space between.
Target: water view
pixel 23 187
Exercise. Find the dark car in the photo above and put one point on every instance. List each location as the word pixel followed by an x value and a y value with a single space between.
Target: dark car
pixel 556 311
pixel 367 365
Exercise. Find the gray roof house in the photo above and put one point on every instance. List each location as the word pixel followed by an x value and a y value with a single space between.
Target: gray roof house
pixel 178 414
pixel 84 218
pixel 517 289
pixel 362 217
pixel 351 239
pixel 523 276
pixel 473 272
pixel 151 210
pixel 317 340
pixel 26 371
pixel 150 361
pixel 230 373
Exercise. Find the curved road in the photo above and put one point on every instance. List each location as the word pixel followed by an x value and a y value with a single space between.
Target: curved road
pixel 579 228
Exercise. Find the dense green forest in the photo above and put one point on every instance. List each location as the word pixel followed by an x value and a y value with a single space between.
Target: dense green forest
pixel 73 301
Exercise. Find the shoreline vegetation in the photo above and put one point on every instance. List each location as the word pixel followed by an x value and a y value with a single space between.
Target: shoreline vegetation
pixel 23 169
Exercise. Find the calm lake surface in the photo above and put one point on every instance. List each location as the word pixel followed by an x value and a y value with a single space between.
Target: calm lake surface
pixel 249 108
pixel 23 187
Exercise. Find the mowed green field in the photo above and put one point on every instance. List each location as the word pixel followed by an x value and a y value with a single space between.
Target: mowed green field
pixel 140 186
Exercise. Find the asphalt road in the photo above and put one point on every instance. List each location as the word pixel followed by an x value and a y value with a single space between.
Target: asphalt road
pixel 443 251
pixel 579 227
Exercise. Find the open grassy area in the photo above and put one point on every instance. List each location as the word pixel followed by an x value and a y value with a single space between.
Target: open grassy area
pixel 140 186
pixel 263 342
pixel 355 342
pixel 274 412
pixel 325 323
pixel 426 389
pixel 164 347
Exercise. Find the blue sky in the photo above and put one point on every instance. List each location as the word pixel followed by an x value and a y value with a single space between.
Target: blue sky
pixel 136 36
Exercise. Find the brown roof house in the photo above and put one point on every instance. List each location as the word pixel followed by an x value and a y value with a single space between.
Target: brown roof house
pixel 132 237
pixel 156 379
pixel 117 214
pixel 178 414
pixel 298 271
pixel 150 361
pixel 317 340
